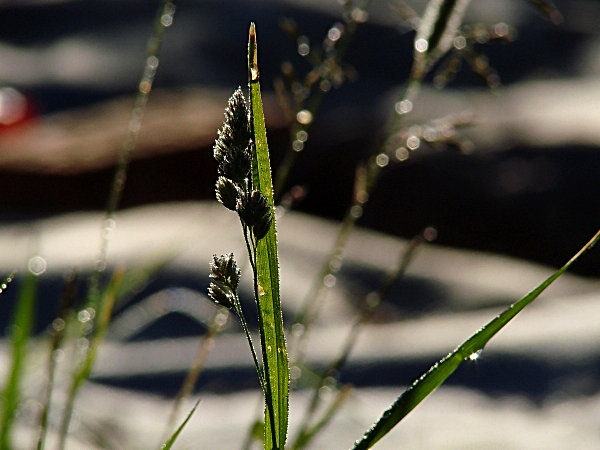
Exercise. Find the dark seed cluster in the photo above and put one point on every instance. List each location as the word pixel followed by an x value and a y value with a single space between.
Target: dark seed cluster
pixel 226 275
pixel 233 153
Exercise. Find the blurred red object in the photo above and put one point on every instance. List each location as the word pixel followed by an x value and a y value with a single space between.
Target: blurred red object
pixel 15 110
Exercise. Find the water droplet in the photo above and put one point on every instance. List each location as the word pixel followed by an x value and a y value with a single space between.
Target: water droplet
pixel 401 154
pixel 430 234
pixel 460 42
pixel 475 355
pixel 501 29
pixel 382 160
pixel 403 107
pixel 304 117
pixel 297 145
pixel 325 85
pixel 302 136
pixel 3 286
pixel 58 324
pixel 325 393
pixel 85 315
pixel 145 87
pixel 359 15
pixel 421 45
pixel 37 265
pixel 269 348
pixel 413 142
pixel 303 46
pixel 329 280
pixel 334 33
pixel 167 18
pixel 356 211
pixel 152 62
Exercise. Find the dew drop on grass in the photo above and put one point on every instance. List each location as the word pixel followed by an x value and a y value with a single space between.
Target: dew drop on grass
pixel 325 393
pixel 302 136
pixel 401 154
pixel 356 211
pixel 382 160
pixel 475 355
pixel 298 145
pixel 403 107
pixel 166 19
pixel 58 324
pixel 421 45
pixel 304 117
pixel 37 265
pixel 329 280
pixel 413 142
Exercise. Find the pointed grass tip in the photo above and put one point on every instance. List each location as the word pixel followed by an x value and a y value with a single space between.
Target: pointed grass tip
pixel 252 53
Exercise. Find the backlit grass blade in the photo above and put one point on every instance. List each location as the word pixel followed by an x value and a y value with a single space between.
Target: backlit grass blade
pixel 274 351
pixel 167 445
pixel 22 325
pixel 438 373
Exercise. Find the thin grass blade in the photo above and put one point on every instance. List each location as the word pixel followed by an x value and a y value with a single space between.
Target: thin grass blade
pixel 167 445
pixel 275 358
pixel 22 325
pixel 438 373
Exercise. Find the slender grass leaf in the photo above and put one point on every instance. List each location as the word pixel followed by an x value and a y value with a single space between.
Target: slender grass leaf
pixel 275 358
pixel 438 373
pixel 436 33
pixel 22 325
pixel 82 373
pixel 167 445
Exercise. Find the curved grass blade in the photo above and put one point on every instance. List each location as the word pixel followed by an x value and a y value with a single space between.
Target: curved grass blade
pixel 275 358
pixel 22 325
pixel 167 445
pixel 438 373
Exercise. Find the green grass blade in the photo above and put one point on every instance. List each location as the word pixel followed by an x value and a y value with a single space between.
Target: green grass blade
pixel 167 445
pixel 438 373
pixel 275 358
pixel 22 325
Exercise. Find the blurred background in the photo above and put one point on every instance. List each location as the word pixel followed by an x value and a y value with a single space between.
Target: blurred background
pixel 528 188
pixel 519 180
